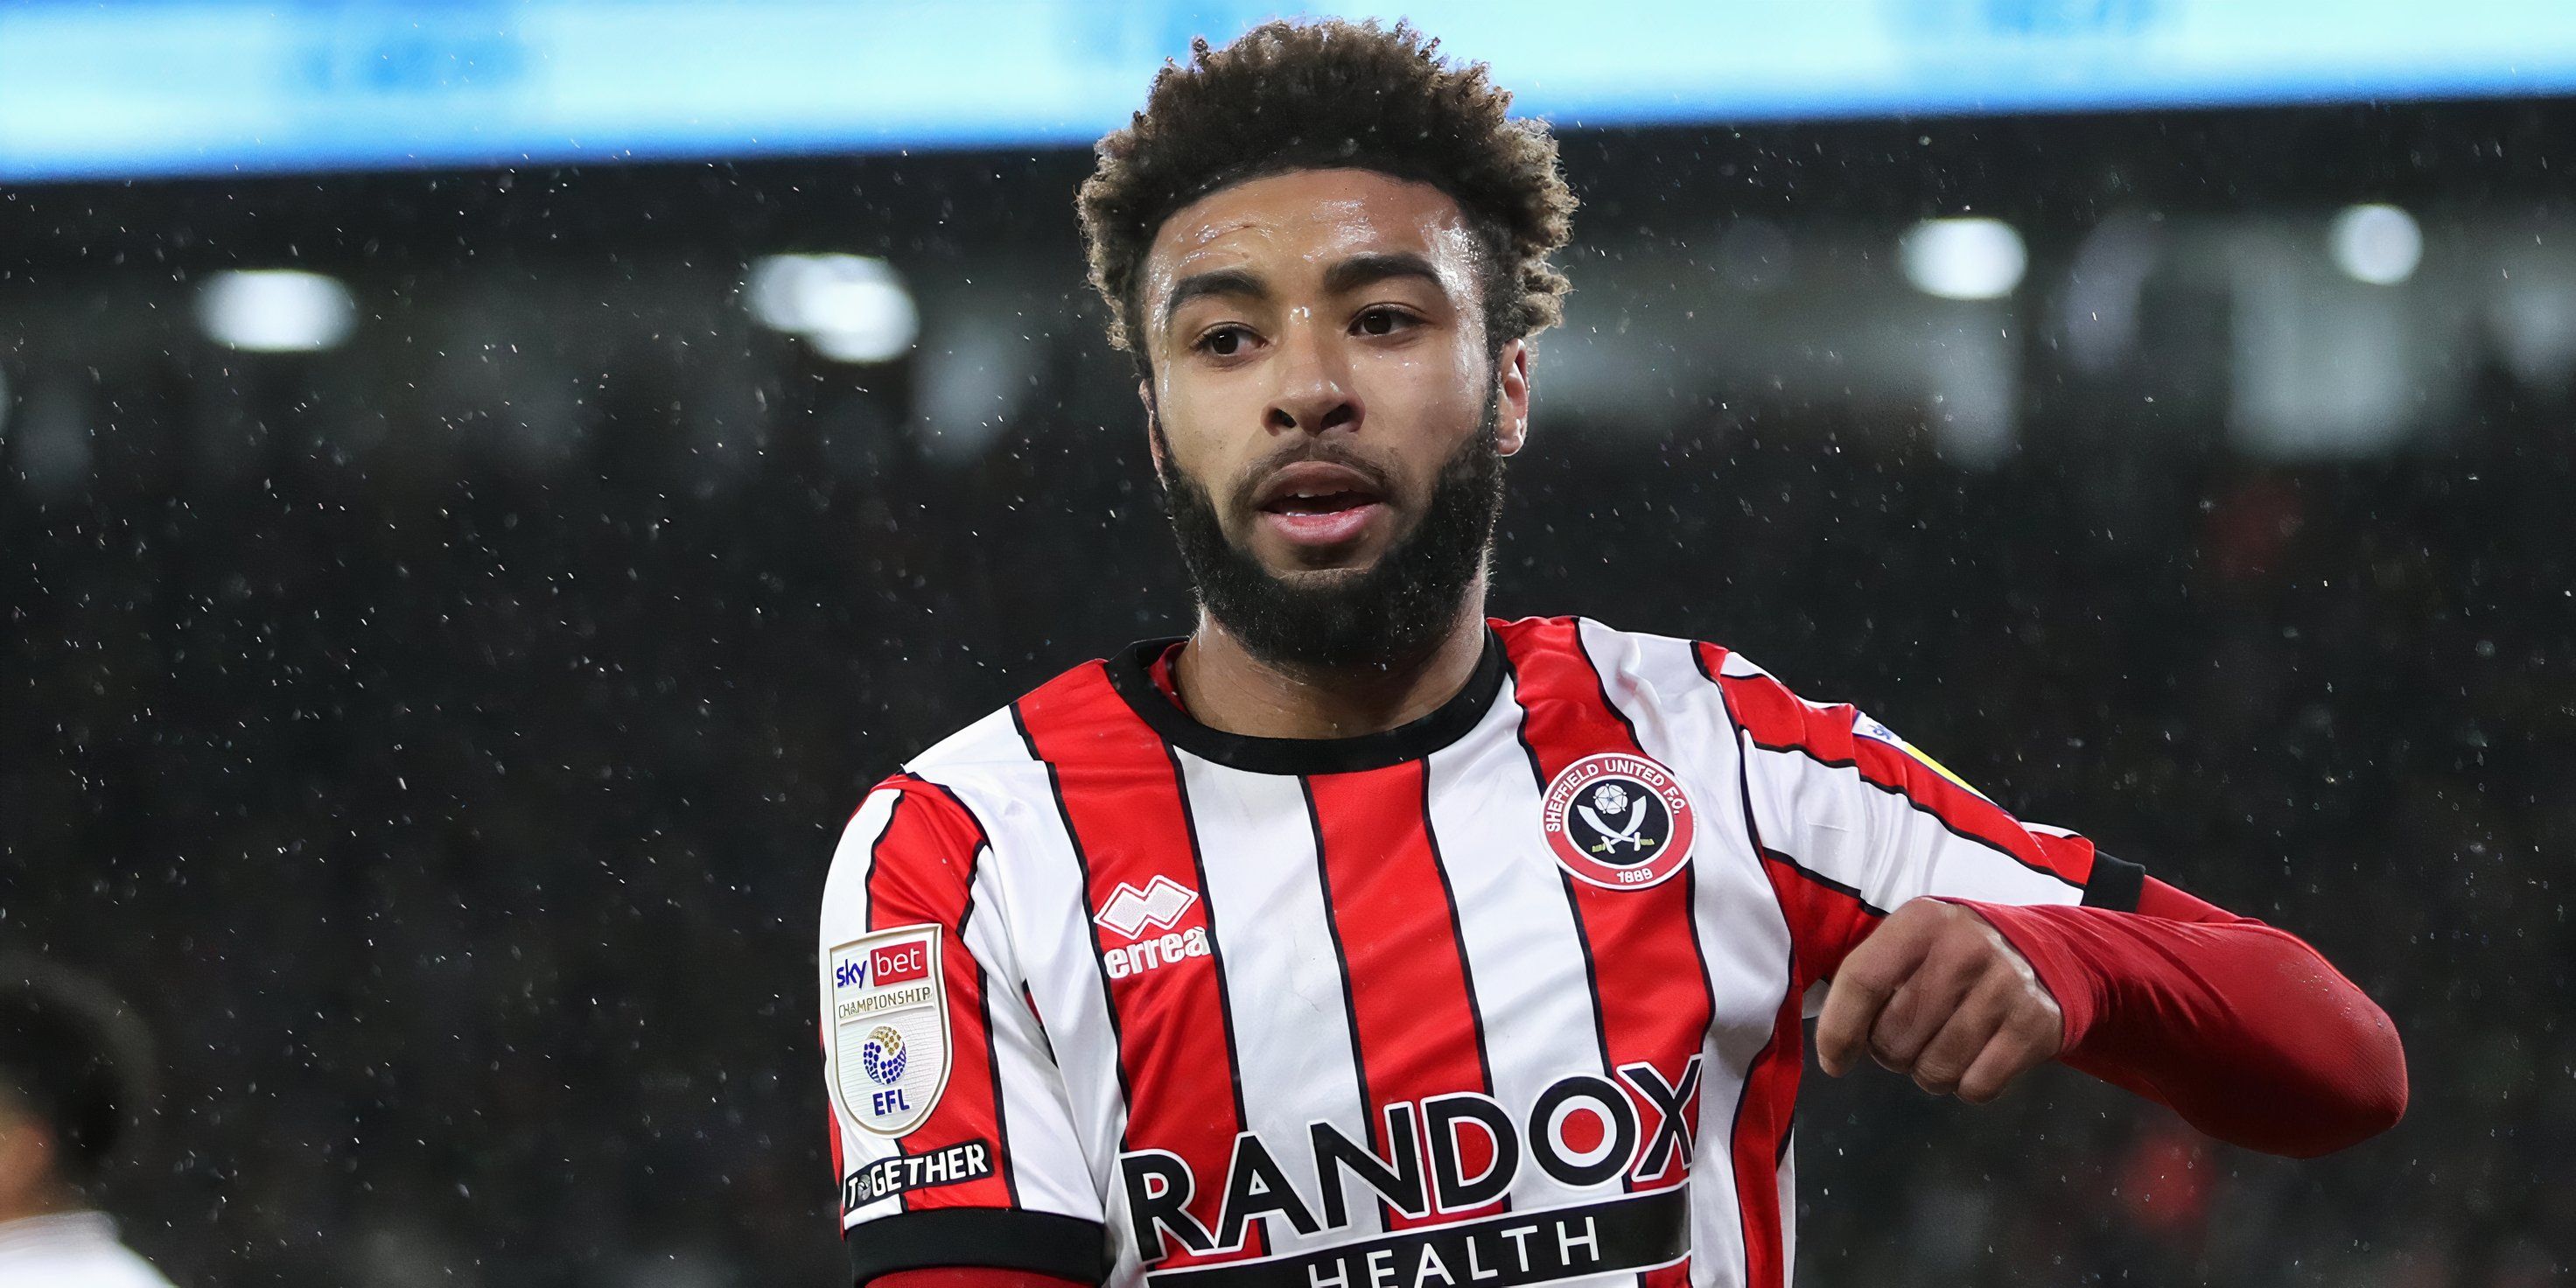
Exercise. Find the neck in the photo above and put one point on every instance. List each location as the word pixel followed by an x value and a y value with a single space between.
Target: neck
pixel 1227 688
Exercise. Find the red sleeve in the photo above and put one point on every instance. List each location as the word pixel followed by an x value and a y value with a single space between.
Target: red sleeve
pixel 2241 1028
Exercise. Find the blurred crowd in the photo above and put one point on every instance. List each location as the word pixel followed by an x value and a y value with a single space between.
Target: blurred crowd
pixel 460 830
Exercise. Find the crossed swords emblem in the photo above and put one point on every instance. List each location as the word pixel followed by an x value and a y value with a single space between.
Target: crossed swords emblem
pixel 1630 810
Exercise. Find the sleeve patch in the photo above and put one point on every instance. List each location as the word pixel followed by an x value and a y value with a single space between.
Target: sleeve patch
pixel 889 1031
pixel 883 1179
pixel 1865 727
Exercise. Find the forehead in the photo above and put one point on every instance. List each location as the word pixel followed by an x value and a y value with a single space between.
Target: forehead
pixel 1311 218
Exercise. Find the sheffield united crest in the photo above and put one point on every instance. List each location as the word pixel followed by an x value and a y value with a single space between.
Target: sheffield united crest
pixel 889 1032
pixel 1618 820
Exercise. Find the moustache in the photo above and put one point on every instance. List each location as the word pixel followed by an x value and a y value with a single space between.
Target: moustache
pixel 1325 451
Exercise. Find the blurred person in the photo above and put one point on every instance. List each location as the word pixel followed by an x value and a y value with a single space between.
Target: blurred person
pixel 73 1076
pixel 1357 940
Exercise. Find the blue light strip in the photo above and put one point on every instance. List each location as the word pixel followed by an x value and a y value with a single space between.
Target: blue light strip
pixel 206 88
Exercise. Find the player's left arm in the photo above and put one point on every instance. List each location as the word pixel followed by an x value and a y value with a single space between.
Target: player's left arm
pixel 2241 1028
pixel 1964 947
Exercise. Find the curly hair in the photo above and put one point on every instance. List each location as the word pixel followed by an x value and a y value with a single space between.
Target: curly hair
pixel 1291 96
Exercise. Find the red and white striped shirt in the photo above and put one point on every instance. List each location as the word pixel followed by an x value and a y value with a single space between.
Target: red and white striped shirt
pixel 1510 995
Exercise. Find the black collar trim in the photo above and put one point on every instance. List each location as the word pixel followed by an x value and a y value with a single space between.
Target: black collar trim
pixel 1128 674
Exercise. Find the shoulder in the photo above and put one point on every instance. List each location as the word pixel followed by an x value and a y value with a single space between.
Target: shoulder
pixel 974 786
pixel 1676 668
pixel 1675 671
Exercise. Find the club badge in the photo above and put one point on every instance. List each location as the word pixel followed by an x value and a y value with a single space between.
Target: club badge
pixel 1618 820
pixel 889 1029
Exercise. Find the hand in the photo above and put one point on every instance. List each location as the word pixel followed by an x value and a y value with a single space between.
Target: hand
pixel 1938 993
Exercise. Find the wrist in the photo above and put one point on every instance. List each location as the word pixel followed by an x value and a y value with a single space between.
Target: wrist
pixel 2041 937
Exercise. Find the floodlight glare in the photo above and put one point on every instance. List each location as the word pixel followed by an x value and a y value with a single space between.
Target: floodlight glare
pixel 851 308
pixel 276 311
pixel 1963 259
pixel 2377 244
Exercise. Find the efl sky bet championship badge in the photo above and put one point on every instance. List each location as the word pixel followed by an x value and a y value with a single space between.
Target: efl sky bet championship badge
pixel 889 1029
pixel 1618 820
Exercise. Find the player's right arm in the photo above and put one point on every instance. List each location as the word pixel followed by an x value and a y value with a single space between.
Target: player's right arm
pixel 950 1132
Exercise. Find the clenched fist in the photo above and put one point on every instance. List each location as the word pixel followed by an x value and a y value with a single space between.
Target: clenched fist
pixel 1937 993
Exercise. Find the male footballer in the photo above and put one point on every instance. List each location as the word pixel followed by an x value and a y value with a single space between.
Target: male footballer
pixel 1357 940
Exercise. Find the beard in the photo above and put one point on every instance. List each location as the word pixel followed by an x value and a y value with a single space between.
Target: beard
pixel 1393 613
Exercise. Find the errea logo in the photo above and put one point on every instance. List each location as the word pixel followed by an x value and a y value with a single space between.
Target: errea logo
pixel 1132 914
pixel 1159 905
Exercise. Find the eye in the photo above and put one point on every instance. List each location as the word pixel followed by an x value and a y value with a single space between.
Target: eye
pixel 1382 321
pixel 1223 341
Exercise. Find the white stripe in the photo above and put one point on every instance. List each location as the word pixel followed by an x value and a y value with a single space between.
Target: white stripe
pixel 1517 928
pixel 1681 721
pixel 1038 888
pixel 1265 898
pixel 1841 826
pixel 1047 1163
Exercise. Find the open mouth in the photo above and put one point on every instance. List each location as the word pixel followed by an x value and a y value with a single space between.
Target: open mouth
pixel 1316 503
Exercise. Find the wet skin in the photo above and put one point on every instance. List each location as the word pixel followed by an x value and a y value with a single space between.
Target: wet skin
pixel 1317 350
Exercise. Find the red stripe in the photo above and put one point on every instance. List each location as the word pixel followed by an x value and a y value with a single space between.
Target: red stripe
pixel 1122 795
pixel 923 870
pixel 1825 922
pixel 1653 985
pixel 1410 1005
pixel 1782 721
pixel 1761 1130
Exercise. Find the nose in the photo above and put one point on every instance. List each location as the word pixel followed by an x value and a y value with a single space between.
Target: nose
pixel 1314 393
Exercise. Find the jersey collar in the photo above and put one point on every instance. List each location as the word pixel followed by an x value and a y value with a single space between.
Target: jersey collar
pixel 1130 676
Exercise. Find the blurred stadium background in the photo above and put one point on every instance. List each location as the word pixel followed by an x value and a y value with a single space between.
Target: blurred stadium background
pixel 484 486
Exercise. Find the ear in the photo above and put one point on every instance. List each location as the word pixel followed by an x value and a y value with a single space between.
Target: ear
pixel 1153 439
pixel 1512 368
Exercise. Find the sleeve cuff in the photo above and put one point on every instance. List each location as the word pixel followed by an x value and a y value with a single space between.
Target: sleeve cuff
pixel 1046 1243
pixel 2115 884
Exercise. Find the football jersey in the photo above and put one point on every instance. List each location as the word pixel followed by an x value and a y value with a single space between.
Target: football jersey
pixel 75 1249
pixel 1509 995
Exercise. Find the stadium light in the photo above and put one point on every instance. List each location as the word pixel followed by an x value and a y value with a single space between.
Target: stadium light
pixel 1963 259
pixel 276 311
pixel 2377 244
pixel 851 308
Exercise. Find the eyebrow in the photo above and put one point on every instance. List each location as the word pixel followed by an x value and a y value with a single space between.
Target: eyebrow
pixel 1378 266
pixel 1220 281
pixel 1348 275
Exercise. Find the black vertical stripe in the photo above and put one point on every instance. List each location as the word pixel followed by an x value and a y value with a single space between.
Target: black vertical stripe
pixel 1099 962
pixel 1458 939
pixel 984 998
pixel 1216 950
pixel 992 1040
pixel 1350 1004
pixel 1601 685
